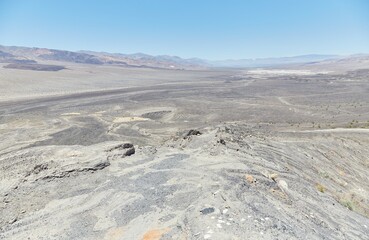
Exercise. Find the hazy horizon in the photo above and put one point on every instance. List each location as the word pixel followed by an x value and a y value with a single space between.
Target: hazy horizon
pixel 191 29
pixel 193 57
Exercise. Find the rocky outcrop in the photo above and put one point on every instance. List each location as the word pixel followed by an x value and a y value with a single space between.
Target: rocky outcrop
pixel 50 162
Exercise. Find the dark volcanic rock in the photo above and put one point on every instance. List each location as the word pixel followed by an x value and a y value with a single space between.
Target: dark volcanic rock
pixel 207 210
pixel 35 67
pixel 130 152
pixel 193 133
pixel 222 141
pixel 121 146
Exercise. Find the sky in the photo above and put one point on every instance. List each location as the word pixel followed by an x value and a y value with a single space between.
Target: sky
pixel 209 29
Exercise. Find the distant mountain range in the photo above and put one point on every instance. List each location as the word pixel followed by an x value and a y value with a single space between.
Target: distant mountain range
pixel 266 62
pixel 24 56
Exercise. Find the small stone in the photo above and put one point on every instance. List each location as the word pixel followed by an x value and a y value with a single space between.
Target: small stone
pixel 13 220
pixel 193 132
pixel 273 176
pixel 225 211
pixel 219 225
pixel 207 236
pixel 282 185
pixel 129 152
pixel 207 210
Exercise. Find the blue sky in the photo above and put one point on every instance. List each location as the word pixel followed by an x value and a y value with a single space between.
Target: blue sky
pixel 212 29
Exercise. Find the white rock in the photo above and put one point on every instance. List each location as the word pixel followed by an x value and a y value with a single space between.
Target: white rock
pixel 207 236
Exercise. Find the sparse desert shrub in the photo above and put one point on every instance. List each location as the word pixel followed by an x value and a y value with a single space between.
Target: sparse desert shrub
pixel 320 187
pixel 324 174
pixel 347 204
pixel 250 178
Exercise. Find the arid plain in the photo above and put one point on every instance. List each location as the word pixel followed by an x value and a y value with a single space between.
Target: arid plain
pixel 117 152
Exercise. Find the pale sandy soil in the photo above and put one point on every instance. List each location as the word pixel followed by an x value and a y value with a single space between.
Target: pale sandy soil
pixel 107 153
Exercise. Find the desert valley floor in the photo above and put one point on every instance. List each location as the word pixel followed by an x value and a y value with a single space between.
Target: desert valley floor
pixel 107 152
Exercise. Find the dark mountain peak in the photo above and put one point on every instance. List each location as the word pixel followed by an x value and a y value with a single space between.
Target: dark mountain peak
pixel 68 56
